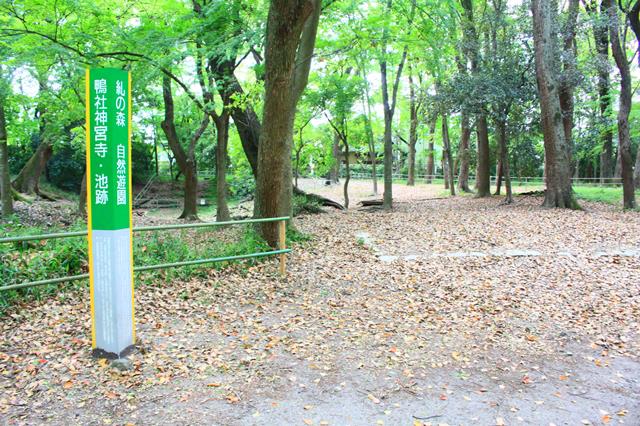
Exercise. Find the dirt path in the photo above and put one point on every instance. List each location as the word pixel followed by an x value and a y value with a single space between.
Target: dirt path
pixel 350 339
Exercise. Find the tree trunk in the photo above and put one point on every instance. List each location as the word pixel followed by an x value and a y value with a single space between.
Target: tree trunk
pixel 82 199
pixel 567 77
pixel 186 160
pixel 472 50
pixel 430 154
pixel 334 173
pixel 190 208
pixel 636 172
pixel 503 146
pixel 28 180
pixel 559 192
pixel 498 172
pixel 624 108
pixel 465 137
pixel 222 139
pixel 633 15
pixel 389 104
pixel 347 177
pixel 601 39
pixel 413 127
pixel 447 157
pixel 283 84
pixel 370 137
pixel 6 192
pixel 244 117
pixel 617 170
pixel 445 170
pixel 483 176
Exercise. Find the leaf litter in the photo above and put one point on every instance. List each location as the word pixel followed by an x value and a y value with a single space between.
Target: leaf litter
pixel 534 333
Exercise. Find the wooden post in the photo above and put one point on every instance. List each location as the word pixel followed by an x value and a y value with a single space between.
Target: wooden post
pixel 282 243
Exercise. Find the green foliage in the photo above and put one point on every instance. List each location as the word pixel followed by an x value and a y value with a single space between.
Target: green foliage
pixel 31 261
pixel 142 161
pixel 19 153
pixel 66 167
pixel 39 260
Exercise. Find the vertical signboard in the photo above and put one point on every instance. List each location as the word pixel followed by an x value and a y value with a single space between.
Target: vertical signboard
pixel 108 119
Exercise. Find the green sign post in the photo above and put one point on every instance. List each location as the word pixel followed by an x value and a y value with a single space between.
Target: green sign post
pixel 108 95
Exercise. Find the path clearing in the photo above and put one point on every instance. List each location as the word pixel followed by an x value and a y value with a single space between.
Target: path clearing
pixel 350 339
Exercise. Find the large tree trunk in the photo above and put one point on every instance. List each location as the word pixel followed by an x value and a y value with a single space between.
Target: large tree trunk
pixel 624 138
pixel 222 139
pixel 447 156
pixel 465 137
pixel 283 86
pixel 559 192
pixel 6 192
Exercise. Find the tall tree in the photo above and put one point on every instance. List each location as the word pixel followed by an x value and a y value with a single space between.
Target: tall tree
pixel 414 107
pixel 371 142
pixel 472 48
pixel 6 192
pixel 599 22
pixel 559 192
pixel 186 159
pixel 624 108
pixel 447 157
pixel 389 103
pixel 291 33
pixel 429 170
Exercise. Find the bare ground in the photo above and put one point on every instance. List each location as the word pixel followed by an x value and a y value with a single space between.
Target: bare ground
pixel 349 338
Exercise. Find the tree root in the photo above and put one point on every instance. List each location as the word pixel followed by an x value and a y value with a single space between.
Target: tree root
pixel 22 197
pixel 323 201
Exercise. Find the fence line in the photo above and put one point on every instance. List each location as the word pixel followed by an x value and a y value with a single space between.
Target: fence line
pixel 282 250
pixel 526 180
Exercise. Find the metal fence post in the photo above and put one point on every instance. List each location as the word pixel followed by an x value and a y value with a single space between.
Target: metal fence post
pixel 282 244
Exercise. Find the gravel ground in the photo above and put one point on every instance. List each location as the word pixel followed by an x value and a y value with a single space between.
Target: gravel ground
pixel 348 338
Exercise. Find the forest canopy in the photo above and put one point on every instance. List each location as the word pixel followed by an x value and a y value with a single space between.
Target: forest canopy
pixel 258 94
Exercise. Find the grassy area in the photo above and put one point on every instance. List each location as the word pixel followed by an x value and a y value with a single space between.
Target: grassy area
pixel 609 195
pixel 32 261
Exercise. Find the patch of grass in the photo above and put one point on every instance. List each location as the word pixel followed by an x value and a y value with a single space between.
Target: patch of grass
pixel 296 236
pixel 39 260
pixel 609 195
